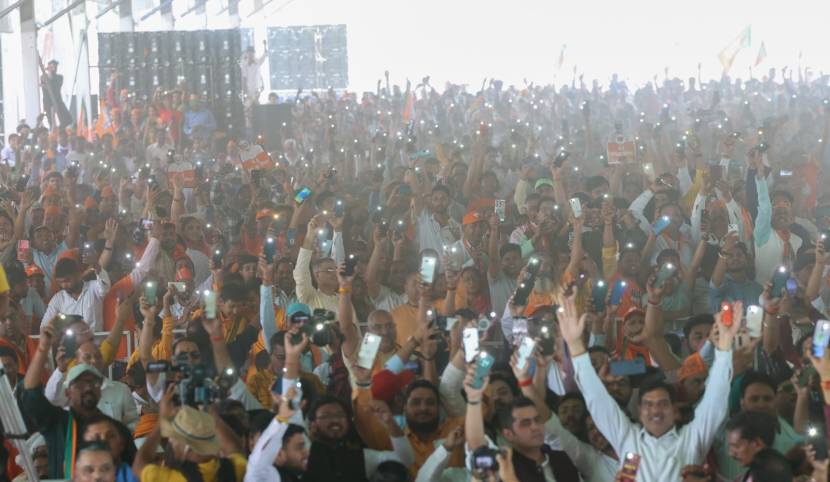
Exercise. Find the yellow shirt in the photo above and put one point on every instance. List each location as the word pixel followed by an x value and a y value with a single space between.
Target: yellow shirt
pixel 4 283
pixel 209 471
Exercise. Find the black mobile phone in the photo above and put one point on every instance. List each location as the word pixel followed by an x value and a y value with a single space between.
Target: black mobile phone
pixel 351 262
pixel 217 259
pixel 561 158
pixel 339 208
pixel 20 186
pixel 270 250
pixel 70 343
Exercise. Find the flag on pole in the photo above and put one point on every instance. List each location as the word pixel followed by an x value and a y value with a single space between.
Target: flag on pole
pixel 104 124
pixel 81 129
pixel 561 60
pixel 728 54
pixel 762 54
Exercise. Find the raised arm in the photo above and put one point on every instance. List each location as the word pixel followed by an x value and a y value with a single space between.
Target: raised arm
pixel 350 331
pixel 34 374
pixel 474 420
pixel 494 266
pixel 373 267
pixel 302 275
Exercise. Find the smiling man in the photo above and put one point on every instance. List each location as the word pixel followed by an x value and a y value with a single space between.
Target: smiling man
pixel 663 448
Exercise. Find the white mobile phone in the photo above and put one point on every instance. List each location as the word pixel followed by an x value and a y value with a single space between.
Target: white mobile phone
pixel 428 269
pixel 470 339
pixel 648 169
pixel 754 321
pixel 210 304
pixel 368 351
pixel 525 351
pixel 576 207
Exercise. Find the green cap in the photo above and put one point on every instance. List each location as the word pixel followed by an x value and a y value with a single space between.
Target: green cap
pixel 79 370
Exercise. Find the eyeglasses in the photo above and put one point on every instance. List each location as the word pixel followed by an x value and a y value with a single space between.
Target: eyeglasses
pixel 193 355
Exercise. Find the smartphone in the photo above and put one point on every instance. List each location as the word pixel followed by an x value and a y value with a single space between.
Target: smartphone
pixel 302 195
pixel 785 173
pixel 666 271
pixel 754 321
pixel 150 289
pixel 147 224
pixel 525 351
pixel 598 295
pixel 470 339
pixel 269 249
pixel 779 281
pixel 428 264
pixel 617 292
pixel 661 224
pixel 726 315
pixel 821 336
pixel 88 253
pixel 70 343
pixel 733 228
pixel 631 465
pixel 368 350
pixel 454 258
pixel 179 286
pixel 483 365
pixel 792 287
pixel 648 169
pixel 817 439
pixel 217 259
pixel 210 304
pixel 624 368
pixel 351 262
pixel 22 248
pixel 825 238
pixel 21 183
pixel 560 158
pixel 449 322
pixel 400 228
pixel 339 208
pixel 519 331
pixel 576 207
pixel 501 210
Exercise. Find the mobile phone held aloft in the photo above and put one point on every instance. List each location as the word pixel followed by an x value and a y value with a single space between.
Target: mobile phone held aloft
pixel 483 364
pixel 598 294
pixel 428 265
pixel 622 368
pixel 661 224
pixel 302 195
pixel 631 465
pixel 821 337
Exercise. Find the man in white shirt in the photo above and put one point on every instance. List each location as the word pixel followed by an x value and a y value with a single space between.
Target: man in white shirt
pixel 324 272
pixel 116 398
pixel 663 448
pixel 78 297
pixel 8 154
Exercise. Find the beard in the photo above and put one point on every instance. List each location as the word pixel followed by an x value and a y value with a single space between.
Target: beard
pixel 422 427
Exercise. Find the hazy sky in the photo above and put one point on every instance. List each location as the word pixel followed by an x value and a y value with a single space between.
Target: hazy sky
pixel 465 40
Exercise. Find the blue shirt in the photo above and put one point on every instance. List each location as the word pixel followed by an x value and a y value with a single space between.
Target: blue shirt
pixel 731 290
pixel 203 118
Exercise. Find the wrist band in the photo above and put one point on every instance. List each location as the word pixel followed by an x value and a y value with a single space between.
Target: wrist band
pixel 217 338
pixel 282 420
pixel 473 402
pixel 344 291
pixel 364 384
pixel 653 303
pixel 526 383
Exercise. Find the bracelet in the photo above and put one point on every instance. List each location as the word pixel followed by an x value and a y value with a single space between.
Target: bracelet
pixel 344 291
pixel 652 303
pixel 282 420
pixel 526 383
pixel 217 338
pixel 473 402
pixel 364 384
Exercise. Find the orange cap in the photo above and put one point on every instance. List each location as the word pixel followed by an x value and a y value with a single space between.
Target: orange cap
pixel 33 270
pixel 472 218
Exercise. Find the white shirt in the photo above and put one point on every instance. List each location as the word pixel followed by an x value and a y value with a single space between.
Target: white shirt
pixel 116 399
pixel 89 305
pixel 434 236
pixel 389 300
pixel 8 156
pixel 251 80
pixel 661 458
pixel 593 465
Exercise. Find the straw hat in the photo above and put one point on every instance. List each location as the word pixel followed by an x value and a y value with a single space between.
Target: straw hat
pixel 193 428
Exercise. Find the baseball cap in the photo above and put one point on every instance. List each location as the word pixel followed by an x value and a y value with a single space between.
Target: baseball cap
pixel 79 370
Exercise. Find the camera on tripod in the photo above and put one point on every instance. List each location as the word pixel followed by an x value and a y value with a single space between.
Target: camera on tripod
pixel 196 387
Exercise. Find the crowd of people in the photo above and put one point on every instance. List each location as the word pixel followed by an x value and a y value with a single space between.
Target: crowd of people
pixel 523 283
